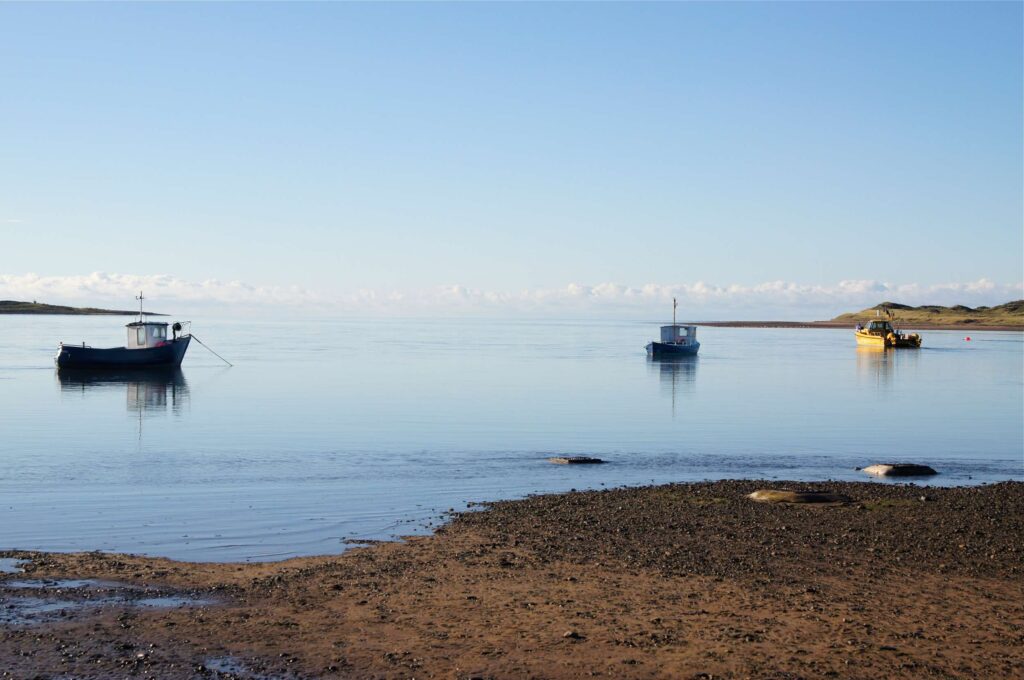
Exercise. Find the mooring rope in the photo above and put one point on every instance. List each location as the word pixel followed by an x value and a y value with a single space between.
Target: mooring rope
pixel 207 347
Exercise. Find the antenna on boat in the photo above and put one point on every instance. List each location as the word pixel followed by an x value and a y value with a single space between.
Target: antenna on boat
pixel 674 305
pixel 139 297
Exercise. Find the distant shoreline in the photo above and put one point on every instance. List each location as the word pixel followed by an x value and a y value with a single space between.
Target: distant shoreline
pixel 837 324
pixel 1005 317
pixel 843 321
pixel 17 307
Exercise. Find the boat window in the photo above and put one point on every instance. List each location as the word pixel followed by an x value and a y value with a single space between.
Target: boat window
pixel 140 335
pixel 159 332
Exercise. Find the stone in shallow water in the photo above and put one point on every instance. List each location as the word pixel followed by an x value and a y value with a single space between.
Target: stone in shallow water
pixel 900 470
pixel 787 496
pixel 574 460
pixel 11 565
pixel 62 584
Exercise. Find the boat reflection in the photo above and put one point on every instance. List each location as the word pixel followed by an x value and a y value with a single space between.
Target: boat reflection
pixel 880 366
pixel 677 374
pixel 147 390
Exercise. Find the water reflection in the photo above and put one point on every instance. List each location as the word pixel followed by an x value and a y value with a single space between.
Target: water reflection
pixel 151 390
pixel 881 366
pixel 677 375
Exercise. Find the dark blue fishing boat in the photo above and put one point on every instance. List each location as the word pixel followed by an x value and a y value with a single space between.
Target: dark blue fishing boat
pixel 148 346
pixel 677 340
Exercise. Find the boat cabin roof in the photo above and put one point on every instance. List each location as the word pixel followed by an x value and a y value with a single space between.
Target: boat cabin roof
pixel 679 332
pixel 145 323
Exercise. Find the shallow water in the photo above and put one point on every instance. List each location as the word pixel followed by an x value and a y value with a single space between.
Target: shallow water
pixel 49 599
pixel 235 668
pixel 11 565
pixel 356 429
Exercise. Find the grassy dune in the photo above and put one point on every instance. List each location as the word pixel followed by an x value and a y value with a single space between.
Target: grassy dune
pixel 16 307
pixel 1009 314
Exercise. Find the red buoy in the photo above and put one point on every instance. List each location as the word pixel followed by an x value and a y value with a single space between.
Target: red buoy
pixel 968 338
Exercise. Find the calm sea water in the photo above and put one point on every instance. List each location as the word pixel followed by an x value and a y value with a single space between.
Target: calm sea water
pixel 363 429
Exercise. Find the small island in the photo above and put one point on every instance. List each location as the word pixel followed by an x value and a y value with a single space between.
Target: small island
pixel 18 307
pixel 1005 317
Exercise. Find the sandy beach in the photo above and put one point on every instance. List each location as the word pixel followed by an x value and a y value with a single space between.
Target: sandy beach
pixel 691 580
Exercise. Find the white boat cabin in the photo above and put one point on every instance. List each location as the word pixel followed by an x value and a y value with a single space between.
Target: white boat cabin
pixel 145 334
pixel 678 334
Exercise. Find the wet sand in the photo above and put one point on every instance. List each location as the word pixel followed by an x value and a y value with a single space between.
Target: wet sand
pixel 691 580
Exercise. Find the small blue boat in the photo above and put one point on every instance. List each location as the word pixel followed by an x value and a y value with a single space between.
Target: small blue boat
pixel 148 346
pixel 676 340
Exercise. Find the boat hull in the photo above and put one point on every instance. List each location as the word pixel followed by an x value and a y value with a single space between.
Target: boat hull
pixel 894 341
pixel 668 349
pixel 169 354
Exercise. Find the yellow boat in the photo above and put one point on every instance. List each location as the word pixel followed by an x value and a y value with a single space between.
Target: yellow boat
pixel 880 333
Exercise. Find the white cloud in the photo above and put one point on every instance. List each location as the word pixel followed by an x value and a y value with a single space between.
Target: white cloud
pixel 102 289
pixel 771 299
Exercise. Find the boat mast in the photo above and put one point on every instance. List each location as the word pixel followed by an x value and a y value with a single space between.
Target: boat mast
pixel 674 303
pixel 139 297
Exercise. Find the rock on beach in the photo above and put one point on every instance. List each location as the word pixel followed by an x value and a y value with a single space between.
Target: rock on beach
pixel 900 470
pixel 575 460
pixel 787 496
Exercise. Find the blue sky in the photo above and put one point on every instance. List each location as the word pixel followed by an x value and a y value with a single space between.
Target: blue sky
pixel 346 152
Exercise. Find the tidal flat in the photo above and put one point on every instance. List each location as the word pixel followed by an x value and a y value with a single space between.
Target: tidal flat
pixel 678 580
